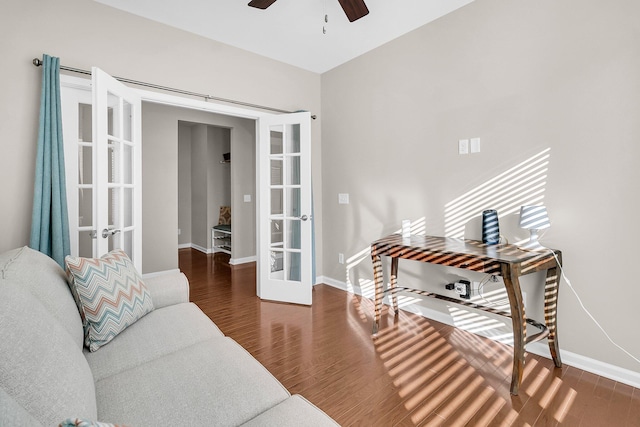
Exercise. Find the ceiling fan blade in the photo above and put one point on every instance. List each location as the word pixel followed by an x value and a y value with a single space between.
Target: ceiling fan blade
pixel 261 4
pixel 354 9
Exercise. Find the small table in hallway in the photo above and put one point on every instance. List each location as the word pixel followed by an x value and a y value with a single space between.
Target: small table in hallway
pixel 507 261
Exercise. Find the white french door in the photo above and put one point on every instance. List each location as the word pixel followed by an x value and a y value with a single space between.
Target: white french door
pixel 102 135
pixel 284 217
pixel 118 137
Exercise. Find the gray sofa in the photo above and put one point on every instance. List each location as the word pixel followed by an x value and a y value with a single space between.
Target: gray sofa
pixel 171 367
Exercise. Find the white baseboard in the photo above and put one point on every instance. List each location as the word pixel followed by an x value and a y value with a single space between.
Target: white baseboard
pixel 540 348
pixel 196 247
pixel 201 249
pixel 245 260
pixel 232 261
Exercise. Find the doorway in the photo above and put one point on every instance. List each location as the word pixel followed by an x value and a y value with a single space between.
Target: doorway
pixel 159 118
pixel 204 187
pixel 182 150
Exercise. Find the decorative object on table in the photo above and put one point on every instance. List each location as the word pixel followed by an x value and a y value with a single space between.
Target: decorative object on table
pixel 534 218
pixel 490 227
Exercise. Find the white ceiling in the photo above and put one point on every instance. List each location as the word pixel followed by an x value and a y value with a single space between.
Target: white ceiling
pixel 291 30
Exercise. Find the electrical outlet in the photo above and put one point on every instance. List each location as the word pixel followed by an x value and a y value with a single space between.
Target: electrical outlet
pixel 463 288
pixel 343 198
pixel 341 258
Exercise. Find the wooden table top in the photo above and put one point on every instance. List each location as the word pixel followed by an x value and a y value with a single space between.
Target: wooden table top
pixel 463 253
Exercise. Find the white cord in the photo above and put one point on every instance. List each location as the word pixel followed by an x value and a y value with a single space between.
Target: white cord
pixel 587 311
pixel 487 302
pixel 566 279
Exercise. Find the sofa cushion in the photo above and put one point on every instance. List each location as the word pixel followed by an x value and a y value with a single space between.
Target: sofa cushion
pixel 168 289
pixel 111 294
pixel 215 382
pixel 44 278
pixel 293 412
pixel 41 367
pixel 159 333
pixel 13 414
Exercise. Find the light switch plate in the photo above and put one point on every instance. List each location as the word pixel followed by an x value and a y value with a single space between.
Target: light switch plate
pixel 475 145
pixel 247 197
pixel 463 146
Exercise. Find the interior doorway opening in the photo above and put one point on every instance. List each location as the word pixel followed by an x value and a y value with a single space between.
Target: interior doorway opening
pixel 204 188
pixel 184 149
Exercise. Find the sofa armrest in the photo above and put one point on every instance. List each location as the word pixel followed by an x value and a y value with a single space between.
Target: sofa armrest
pixel 168 289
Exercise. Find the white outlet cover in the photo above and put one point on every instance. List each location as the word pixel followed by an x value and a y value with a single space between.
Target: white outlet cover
pixel 247 197
pixel 343 198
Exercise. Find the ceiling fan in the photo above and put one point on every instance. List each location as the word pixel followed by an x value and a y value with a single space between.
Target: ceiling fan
pixel 354 9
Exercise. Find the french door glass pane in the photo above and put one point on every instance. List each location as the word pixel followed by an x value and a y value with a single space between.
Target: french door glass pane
pixel 127 164
pixel 293 170
pixel 276 201
pixel 127 241
pixel 293 234
pixel 276 172
pixel 113 116
pixel 276 233
pixel 277 264
pixel 293 266
pixel 114 161
pixel 276 142
pixel 293 139
pixel 85 164
pixel 127 122
pixel 85 207
pixel 127 204
pixel 85 244
pixel 85 127
pixel 114 207
pixel 293 202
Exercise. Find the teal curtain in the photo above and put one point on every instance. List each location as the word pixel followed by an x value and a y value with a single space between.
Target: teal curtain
pixel 50 219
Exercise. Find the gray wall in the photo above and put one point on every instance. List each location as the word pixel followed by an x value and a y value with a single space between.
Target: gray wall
pixel 199 185
pixel 87 33
pixel 525 77
pixel 184 183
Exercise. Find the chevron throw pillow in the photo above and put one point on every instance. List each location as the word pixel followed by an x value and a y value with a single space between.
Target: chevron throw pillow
pixel 81 422
pixel 110 295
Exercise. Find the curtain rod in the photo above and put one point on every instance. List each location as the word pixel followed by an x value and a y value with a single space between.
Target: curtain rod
pixel 38 62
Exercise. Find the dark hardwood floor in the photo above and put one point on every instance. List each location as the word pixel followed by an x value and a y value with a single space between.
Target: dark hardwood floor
pixel 416 372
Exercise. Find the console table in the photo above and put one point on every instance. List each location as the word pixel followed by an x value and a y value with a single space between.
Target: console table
pixel 507 261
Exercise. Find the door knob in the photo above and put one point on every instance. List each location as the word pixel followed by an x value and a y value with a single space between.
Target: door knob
pixel 109 232
pixel 304 217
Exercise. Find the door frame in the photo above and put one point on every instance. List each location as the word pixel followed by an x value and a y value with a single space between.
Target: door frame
pixel 194 104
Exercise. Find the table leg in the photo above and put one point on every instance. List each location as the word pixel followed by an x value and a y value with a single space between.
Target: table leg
pixel 379 290
pixel 550 313
pixel 518 320
pixel 394 283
